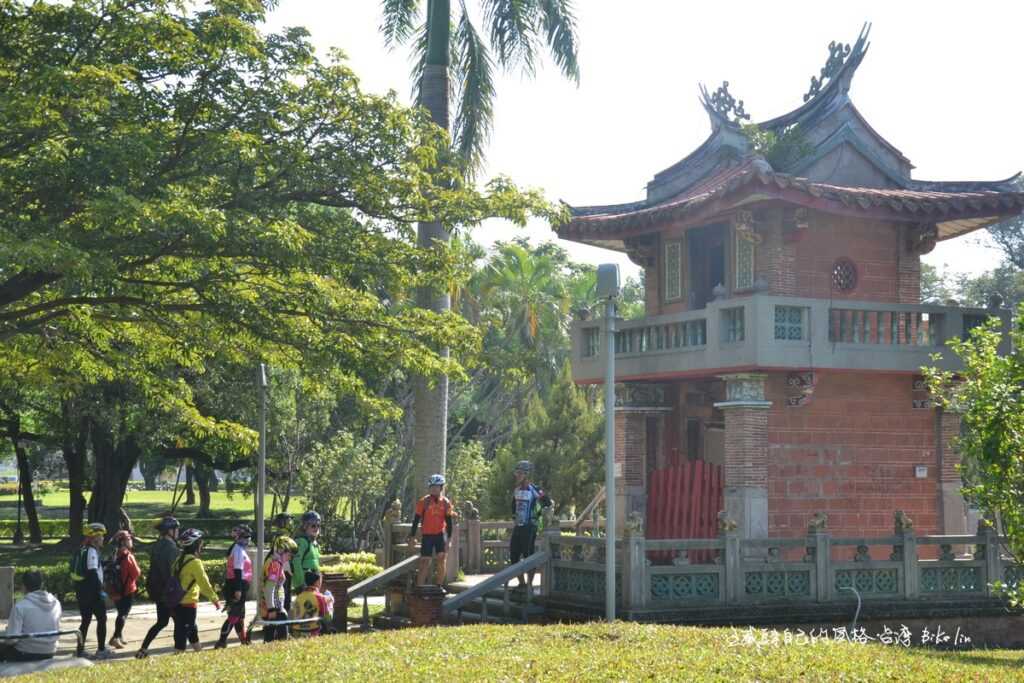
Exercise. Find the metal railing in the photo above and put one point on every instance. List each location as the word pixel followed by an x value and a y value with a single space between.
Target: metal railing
pixel 281 622
pixel 79 645
pixel 366 586
pixel 457 602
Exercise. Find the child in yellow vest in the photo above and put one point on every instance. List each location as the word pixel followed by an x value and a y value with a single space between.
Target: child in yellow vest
pixel 308 604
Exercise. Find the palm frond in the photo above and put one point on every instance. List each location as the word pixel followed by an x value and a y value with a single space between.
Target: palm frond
pixel 399 23
pixel 559 23
pixel 513 31
pixel 474 83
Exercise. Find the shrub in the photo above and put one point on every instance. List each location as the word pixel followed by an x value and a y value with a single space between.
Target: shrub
pixel 9 488
pixel 357 571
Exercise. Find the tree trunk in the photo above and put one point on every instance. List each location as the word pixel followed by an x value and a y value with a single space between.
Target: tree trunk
pixel 114 463
pixel 430 401
pixel 202 477
pixel 190 475
pixel 75 439
pixel 35 534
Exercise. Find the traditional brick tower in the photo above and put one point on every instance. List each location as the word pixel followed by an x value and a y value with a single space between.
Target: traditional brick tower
pixel 776 373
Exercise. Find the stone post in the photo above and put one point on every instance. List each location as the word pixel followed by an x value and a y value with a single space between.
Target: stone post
pixel 474 551
pixel 953 510
pixel 634 404
pixel 451 568
pixel 634 564
pixel 733 560
pixel 746 453
pixel 993 561
pixel 819 551
pixel 547 575
pixel 903 527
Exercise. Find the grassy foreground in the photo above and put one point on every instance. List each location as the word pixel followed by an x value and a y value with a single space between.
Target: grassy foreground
pixel 559 653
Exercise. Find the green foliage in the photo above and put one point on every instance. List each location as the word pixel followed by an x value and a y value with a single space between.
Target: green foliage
pixel 569 652
pixel 357 571
pixel 344 469
pixel 468 473
pixel 562 437
pixel 181 187
pixel 781 150
pixel 989 397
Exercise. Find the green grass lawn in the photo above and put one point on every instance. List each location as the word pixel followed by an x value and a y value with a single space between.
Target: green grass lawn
pixel 592 652
pixel 145 504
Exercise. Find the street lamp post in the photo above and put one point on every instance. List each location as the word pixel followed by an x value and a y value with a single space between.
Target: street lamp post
pixel 261 485
pixel 608 290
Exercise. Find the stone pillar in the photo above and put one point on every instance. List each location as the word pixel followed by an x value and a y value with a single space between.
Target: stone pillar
pixel 952 509
pixel 634 404
pixel 746 453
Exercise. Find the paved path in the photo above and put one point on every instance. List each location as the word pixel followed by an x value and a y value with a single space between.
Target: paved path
pixel 143 616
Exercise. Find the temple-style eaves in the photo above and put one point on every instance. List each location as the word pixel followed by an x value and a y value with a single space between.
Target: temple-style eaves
pixel 844 167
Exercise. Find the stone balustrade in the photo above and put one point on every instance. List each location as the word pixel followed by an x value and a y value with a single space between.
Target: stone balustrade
pixel 816 568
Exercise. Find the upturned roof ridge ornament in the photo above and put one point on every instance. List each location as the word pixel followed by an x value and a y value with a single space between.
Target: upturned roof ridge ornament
pixel 724 105
pixel 837 54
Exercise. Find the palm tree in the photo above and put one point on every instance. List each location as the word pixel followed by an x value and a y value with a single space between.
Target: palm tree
pixel 457 65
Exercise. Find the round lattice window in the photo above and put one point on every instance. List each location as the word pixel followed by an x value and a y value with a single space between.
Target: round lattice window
pixel 844 275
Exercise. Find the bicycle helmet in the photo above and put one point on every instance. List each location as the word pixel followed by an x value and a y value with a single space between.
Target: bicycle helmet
pixel 524 466
pixel 436 480
pixel 284 544
pixel 282 519
pixel 94 530
pixel 167 523
pixel 189 537
pixel 311 517
pixel 241 531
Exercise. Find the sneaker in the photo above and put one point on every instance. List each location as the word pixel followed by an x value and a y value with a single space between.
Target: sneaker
pixel 102 654
pixel 220 645
pixel 141 654
pixel 197 646
pixel 115 643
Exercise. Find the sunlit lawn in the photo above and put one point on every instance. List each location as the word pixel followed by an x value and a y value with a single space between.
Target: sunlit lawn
pixel 589 652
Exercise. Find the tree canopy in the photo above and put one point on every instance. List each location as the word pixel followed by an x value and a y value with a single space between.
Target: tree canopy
pixel 181 191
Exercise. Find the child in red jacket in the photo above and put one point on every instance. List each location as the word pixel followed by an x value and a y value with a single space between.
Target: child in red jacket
pixel 122 583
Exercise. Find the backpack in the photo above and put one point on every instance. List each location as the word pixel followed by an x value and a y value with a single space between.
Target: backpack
pixel 112 579
pixel 79 559
pixel 174 591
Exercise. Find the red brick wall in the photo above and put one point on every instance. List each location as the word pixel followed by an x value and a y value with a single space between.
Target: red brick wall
pixel 631 445
pixel 884 271
pixel 745 446
pixel 850 452
pixel 949 431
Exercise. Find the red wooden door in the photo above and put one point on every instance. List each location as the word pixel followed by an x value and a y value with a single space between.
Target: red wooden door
pixel 683 501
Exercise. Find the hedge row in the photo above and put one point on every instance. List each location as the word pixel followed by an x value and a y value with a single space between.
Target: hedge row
pixel 58 528
pixel 58 576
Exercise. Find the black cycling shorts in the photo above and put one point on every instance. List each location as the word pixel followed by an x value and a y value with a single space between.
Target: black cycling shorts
pixel 523 540
pixel 432 543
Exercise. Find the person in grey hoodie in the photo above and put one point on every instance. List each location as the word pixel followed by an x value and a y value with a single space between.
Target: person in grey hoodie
pixel 37 612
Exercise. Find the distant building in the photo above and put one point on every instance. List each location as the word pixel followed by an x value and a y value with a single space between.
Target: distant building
pixel 776 373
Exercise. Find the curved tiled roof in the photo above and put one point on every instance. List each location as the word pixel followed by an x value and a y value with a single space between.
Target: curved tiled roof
pixel 753 179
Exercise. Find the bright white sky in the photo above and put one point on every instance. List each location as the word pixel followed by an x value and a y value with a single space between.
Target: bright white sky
pixel 941 82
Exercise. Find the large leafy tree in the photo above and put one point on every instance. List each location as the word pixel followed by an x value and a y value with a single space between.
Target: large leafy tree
pixel 178 186
pixel 989 395
pixel 454 62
